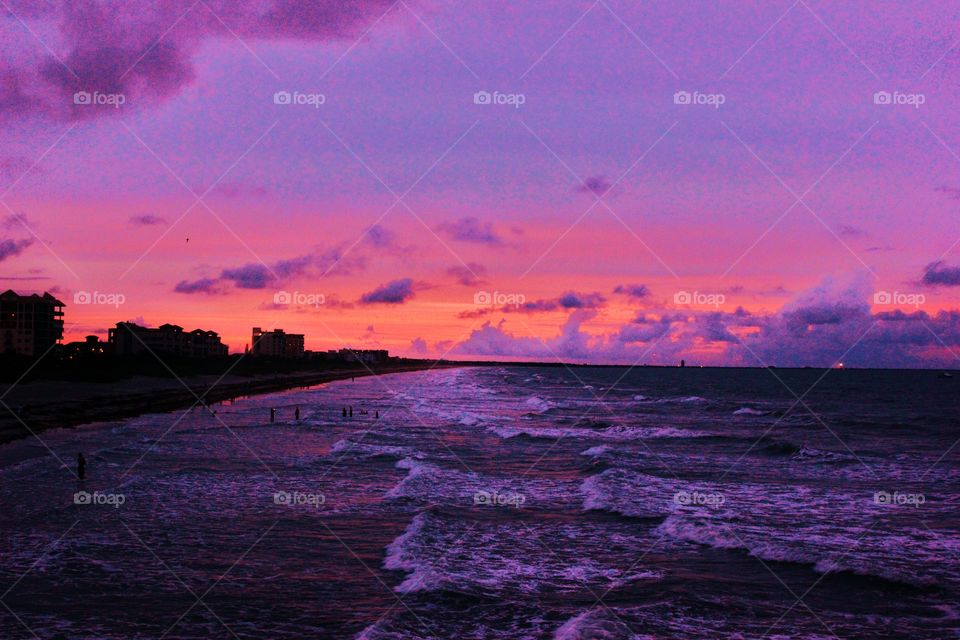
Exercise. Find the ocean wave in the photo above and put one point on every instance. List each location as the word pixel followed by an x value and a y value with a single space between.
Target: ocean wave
pixel 498 557
pixel 431 484
pixel 615 433
pixel 591 626
pixel 538 404
pixel 826 546
pixel 369 450
pixel 748 411
pixel 821 455
pixel 642 399
pixel 628 493
pixel 596 451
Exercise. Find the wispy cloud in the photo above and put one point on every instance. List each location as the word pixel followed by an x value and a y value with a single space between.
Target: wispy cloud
pixel 393 292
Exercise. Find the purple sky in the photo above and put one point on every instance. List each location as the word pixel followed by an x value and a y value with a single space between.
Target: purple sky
pixel 789 195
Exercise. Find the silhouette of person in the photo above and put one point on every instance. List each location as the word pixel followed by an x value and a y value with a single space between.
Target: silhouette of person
pixel 351 411
pixel 273 414
pixel 81 466
pixel 376 414
pixel 296 414
pixel 344 412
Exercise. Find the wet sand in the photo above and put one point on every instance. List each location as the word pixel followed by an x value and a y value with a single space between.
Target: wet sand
pixel 47 404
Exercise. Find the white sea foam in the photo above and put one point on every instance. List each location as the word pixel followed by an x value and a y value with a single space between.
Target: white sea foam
pixel 614 433
pixel 440 552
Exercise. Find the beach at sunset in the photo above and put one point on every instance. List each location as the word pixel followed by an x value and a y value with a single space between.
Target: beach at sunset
pixel 500 320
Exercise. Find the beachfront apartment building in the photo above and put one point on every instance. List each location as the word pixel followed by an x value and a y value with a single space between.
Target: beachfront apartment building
pixel 367 356
pixel 129 339
pixel 277 344
pixel 30 325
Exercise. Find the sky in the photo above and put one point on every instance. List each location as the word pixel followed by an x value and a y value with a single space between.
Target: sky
pixel 729 183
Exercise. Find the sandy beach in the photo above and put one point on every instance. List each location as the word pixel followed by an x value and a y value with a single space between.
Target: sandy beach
pixel 46 404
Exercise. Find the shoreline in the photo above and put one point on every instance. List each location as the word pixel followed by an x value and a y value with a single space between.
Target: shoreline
pixel 117 403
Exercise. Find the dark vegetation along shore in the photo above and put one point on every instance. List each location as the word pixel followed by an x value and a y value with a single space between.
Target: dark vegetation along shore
pixel 65 394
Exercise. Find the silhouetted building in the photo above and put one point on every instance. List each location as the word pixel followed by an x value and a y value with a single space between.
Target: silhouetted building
pixel 368 356
pixel 91 347
pixel 30 325
pixel 277 343
pixel 129 339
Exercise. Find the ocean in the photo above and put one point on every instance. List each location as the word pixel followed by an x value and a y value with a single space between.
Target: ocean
pixel 501 503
